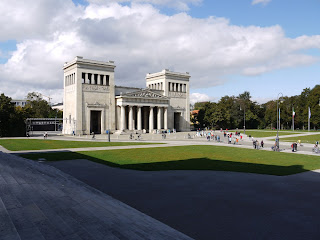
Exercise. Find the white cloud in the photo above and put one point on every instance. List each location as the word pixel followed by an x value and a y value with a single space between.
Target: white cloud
pixel 263 2
pixel 181 5
pixel 141 40
pixel 199 97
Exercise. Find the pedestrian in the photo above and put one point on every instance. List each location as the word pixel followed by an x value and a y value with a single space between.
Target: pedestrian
pixel 237 141
pixel 262 143
pixel 254 144
pixel 292 146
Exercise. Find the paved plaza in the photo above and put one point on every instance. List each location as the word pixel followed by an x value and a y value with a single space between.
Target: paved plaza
pixel 40 202
pixel 81 199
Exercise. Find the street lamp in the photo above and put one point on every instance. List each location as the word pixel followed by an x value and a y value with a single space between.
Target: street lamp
pixel 278 119
pixel 244 118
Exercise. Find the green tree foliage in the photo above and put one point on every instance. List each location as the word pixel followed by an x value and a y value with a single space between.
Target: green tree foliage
pixel 229 111
pixel 12 119
pixel 6 115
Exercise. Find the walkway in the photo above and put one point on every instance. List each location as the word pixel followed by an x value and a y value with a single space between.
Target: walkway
pixel 40 202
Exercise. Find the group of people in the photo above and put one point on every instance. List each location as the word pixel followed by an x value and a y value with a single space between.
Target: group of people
pixel 211 136
pixel 131 137
pixel 256 145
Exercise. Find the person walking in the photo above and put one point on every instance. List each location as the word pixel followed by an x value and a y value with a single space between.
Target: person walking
pixel 262 143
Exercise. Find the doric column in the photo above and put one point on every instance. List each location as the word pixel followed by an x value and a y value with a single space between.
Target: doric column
pixel 139 122
pixel 86 79
pixel 92 78
pixel 178 90
pixel 130 118
pixel 123 118
pixel 103 80
pixel 174 87
pixel 99 79
pixel 165 118
pixel 159 118
pixel 151 120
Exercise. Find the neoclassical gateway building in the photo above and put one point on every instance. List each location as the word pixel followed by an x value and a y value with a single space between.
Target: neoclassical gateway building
pixel 93 103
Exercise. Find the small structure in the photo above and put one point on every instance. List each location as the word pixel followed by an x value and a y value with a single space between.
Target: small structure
pixel 43 124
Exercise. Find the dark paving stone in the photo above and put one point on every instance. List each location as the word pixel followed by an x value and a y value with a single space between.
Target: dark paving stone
pixel 209 204
pixel 7 228
pixel 40 202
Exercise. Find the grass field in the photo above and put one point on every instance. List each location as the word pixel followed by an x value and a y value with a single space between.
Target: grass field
pixel 217 158
pixel 304 139
pixel 267 133
pixel 40 144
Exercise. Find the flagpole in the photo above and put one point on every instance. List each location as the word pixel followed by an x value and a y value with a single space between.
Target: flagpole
pixel 309 119
pixel 292 119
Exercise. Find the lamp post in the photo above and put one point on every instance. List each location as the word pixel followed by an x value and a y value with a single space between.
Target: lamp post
pixel 278 119
pixel 244 118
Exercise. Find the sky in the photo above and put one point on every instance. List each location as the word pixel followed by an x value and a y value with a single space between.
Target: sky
pixel 265 47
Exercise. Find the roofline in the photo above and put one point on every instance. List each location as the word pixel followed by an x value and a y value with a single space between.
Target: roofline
pixel 168 73
pixel 79 59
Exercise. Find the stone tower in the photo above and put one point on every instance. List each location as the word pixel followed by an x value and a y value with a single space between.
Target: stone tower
pixel 175 86
pixel 89 96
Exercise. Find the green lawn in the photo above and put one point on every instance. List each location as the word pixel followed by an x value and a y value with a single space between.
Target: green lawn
pixel 267 133
pixel 40 144
pixel 217 158
pixel 304 139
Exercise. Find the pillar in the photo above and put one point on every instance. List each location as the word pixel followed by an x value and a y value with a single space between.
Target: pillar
pixel 130 118
pixel 174 87
pixel 123 118
pixel 92 78
pixel 103 80
pixel 151 120
pixel 159 118
pixel 178 90
pixel 165 118
pixel 86 79
pixel 139 123
pixel 99 79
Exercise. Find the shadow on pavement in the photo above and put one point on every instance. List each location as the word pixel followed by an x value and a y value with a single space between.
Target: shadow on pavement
pixel 187 164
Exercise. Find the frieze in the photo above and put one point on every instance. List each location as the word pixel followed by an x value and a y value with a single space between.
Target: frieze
pixel 97 105
pixel 94 88
pixel 177 94
pixel 145 94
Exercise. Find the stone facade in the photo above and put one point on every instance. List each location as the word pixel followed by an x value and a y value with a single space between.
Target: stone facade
pixel 92 102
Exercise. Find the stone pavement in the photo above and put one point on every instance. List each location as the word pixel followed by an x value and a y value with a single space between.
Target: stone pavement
pixel 38 201
pixel 208 205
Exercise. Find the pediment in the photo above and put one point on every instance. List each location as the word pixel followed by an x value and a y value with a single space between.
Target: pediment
pixel 145 93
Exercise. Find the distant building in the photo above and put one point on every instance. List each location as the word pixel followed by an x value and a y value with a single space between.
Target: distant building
pixel 58 106
pixel 20 103
pixel 93 103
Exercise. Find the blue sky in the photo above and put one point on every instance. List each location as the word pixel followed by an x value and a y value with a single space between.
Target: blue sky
pixel 261 46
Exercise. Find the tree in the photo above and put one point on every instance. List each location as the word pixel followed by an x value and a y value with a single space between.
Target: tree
pixel 38 106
